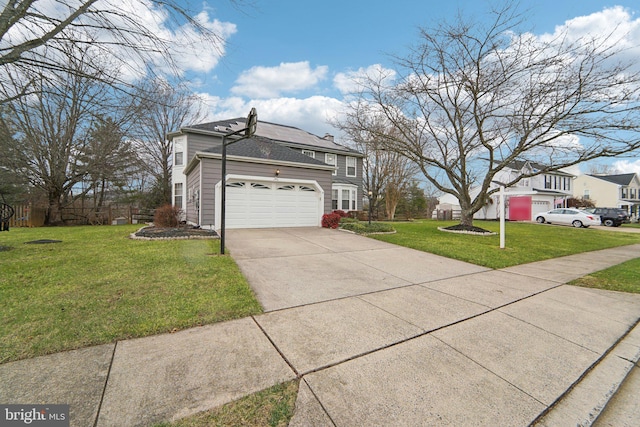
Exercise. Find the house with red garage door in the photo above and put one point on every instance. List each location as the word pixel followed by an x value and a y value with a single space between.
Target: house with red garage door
pixel 527 198
pixel 282 176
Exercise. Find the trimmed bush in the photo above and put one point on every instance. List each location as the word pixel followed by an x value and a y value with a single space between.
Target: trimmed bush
pixel 167 216
pixel 364 228
pixel 347 219
pixel 331 220
pixel 342 214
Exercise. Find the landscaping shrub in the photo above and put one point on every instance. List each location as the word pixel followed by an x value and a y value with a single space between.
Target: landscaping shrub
pixel 342 214
pixel 331 220
pixel 364 228
pixel 167 216
pixel 347 219
pixel 356 227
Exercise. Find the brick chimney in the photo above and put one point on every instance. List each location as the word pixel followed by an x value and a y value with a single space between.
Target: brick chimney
pixel 328 137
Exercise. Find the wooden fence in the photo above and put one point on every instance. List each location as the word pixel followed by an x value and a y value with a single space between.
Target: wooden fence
pixel 30 216
pixel 27 216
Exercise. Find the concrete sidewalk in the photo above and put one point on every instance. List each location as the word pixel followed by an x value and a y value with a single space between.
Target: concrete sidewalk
pixel 390 336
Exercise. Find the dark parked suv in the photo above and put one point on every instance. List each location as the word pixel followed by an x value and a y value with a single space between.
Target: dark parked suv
pixel 611 217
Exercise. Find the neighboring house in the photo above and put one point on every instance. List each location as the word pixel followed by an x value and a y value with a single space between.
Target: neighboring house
pixel 611 191
pixel 524 200
pixel 281 177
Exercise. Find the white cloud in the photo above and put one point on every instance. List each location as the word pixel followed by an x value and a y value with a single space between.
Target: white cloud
pixel 626 166
pixel 616 24
pixel 119 28
pixel 271 82
pixel 352 81
pixel 311 114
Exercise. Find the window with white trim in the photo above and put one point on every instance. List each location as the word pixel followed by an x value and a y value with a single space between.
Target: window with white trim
pixel 309 153
pixel 344 197
pixel 259 186
pixel 351 166
pixel 331 159
pixel 344 200
pixel 177 195
pixel 178 158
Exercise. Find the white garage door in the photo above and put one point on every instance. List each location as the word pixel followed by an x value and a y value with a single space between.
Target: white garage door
pixel 264 204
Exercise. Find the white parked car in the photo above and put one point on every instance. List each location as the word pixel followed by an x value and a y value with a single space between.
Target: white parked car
pixel 568 216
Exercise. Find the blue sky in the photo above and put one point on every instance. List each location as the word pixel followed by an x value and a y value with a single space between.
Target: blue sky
pixel 292 59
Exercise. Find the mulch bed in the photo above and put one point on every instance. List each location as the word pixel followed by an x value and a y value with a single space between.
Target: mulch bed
pixel 181 232
pixel 466 229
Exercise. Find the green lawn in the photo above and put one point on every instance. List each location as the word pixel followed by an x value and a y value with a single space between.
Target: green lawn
pixel 525 242
pixel 272 407
pixel 98 286
pixel 624 277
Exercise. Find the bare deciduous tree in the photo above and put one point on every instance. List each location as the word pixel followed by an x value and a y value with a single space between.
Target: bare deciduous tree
pixel 386 174
pixel 51 128
pixel 36 34
pixel 164 108
pixel 470 99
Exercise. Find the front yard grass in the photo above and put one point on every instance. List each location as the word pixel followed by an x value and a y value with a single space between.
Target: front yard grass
pixel 98 286
pixel 272 407
pixel 525 242
pixel 624 277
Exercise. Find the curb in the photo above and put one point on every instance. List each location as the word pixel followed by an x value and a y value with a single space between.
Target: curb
pixel 586 401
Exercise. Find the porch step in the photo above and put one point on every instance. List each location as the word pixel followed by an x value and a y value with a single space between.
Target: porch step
pixel 583 404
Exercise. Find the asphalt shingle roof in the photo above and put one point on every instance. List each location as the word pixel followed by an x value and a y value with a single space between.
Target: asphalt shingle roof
pixel 276 132
pixel 264 148
pixel 621 179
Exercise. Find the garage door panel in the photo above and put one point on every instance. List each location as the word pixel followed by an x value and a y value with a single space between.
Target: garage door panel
pixel 255 204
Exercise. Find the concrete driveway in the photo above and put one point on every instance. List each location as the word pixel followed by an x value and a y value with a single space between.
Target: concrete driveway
pixel 290 267
pixel 384 335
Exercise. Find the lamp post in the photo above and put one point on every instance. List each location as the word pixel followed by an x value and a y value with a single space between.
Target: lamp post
pixel 370 206
pixel 248 131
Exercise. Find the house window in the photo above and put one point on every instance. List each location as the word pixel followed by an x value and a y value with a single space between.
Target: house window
pixel 586 195
pixel 344 197
pixel 345 200
pixel 260 186
pixel 178 158
pixel 309 153
pixel 351 166
pixel 331 159
pixel 624 193
pixel 547 181
pixel 567 184
pixel 177 195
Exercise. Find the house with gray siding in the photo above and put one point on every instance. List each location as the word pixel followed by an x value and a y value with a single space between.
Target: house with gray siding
pixel 280 177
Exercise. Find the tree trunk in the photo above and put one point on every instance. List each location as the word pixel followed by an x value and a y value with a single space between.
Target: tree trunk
pixel 466 217
pixel 53 214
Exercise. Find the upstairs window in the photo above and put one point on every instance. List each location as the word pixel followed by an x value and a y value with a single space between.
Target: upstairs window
pixel 309 153
pixel 331 159
pixel 178 158
pixel 351 166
